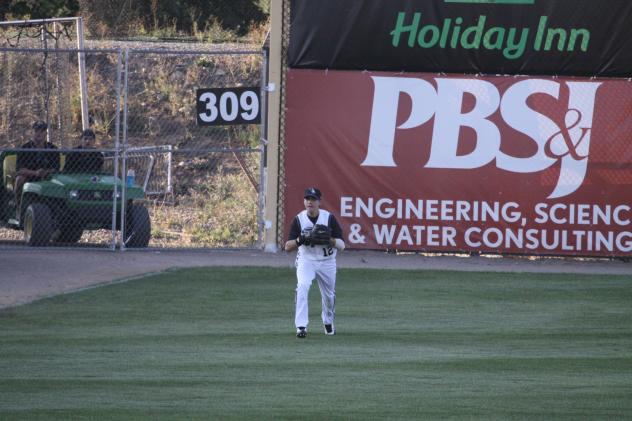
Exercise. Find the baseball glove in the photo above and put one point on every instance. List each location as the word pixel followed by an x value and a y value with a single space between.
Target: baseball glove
pixel 320 235
pixel 305 238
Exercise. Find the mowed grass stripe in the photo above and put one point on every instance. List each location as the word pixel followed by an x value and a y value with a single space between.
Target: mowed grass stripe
pixel 218 343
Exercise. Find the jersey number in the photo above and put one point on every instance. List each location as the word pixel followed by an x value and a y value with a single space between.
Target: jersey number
pixel 328 251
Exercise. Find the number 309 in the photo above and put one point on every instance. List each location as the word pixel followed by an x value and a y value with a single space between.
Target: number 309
pixel 229 107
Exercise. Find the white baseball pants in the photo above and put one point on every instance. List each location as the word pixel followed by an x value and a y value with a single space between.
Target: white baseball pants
pixel 324 271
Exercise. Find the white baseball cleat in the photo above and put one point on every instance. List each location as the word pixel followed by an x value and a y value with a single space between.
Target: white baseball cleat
pixel 330 330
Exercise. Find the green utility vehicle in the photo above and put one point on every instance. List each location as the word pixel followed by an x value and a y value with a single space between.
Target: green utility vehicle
pixel 60 207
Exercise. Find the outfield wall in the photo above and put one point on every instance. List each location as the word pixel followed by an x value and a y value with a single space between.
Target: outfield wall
pixel 434 161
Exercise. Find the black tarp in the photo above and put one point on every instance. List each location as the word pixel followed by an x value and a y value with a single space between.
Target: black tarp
pixel 565 37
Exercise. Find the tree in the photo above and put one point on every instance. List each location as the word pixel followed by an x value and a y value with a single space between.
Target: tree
pixel 187 16
pixel 39 9
pixel 125 17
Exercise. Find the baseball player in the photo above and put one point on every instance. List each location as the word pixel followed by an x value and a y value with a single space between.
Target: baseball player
pixel 317 235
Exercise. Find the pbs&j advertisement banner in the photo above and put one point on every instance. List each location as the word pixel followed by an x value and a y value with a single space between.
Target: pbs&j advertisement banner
pixel 508 164
pixel 389 112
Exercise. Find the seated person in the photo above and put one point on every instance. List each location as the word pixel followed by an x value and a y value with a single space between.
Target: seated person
pixel 36 165
pixel 84 162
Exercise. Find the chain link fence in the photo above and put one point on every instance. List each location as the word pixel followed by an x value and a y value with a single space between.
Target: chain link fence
pixel 150 175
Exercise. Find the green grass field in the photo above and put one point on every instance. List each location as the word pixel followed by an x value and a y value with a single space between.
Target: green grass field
pixel 219 343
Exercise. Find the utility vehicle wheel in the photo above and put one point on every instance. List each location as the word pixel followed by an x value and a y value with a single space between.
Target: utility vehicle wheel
pixel 69 234
pixel 38 225
pixel 3 203
pixel 137 227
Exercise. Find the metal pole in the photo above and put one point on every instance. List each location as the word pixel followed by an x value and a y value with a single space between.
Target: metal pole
pixel 83 84
pixel 169 157
pixel 60 131
pixel 124 163
pixel 7 119
pixel 263 144
pixel 44 38
pixel 117 125
pixel 35 21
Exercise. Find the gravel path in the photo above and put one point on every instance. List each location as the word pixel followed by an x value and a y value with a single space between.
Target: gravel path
pixel 31 274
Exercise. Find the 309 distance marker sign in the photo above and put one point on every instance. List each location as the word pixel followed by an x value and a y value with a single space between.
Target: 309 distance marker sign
pixel 226 106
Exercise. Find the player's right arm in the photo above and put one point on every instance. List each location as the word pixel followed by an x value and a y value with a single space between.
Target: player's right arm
pixel 292 242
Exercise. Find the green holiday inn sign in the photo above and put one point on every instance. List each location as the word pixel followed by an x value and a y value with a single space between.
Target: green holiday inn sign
pixel 481 33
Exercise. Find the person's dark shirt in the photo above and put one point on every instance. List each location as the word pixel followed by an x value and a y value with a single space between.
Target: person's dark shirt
pixel 83 162
pixel 37 159
pixel 295 229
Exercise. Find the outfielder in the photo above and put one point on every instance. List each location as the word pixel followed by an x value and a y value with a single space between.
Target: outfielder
pixel 317 235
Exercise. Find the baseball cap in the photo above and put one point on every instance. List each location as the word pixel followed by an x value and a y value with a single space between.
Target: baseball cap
pixel 40 125
pixel 312 192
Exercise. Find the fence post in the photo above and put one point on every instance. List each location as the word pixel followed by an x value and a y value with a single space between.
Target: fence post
pixel 263 145
pixel 124 163
pixel 83 84
pixel 117 124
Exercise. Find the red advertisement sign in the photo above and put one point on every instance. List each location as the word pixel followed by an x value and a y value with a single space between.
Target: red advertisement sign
pixel 527 165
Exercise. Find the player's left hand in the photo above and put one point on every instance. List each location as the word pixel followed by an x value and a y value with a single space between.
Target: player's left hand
pixel 304 239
